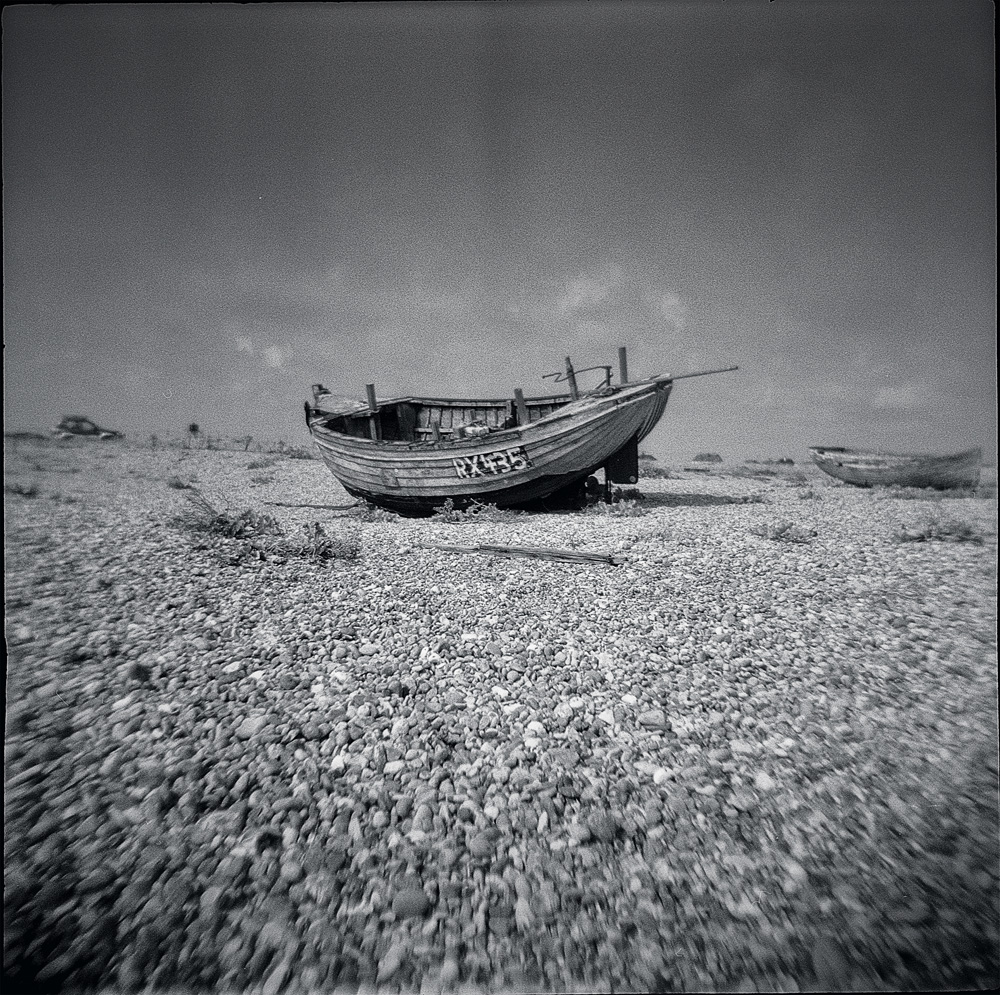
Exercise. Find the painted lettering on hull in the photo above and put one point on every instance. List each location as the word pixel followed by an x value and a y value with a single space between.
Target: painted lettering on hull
pixel 492 464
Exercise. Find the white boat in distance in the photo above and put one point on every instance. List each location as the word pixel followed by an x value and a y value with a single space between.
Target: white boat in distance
pixel 870 469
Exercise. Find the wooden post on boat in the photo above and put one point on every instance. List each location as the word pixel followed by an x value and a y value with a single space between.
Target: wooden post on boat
pixel 373 408
pixel 622 365
pixel 435 431
pixel 522 409
pixel 571 377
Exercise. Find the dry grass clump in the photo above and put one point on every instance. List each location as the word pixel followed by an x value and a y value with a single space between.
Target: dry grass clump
pixel 784 532
pixel 628 505
pixel 900 493
pixel 365 511
pixel 28 436
pixel 940 527
pixel 629 508
pixel 175 483
pixel 475 511
pixel 22 490
pixel 261 464
pixel 906 493
pixel 202 516
pixel 241 444
pixel 755 472
pixel 315 543
pixel 262 537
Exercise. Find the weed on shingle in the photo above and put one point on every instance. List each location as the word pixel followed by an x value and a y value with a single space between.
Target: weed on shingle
pixel 784 532
pixel 628 508
pixel 22 490
pixel 202 516
pixel 474 511
pixel 258 536
pixel 939 527
pixel 364 511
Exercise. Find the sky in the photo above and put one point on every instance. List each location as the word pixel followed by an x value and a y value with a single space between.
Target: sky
pixel 208 208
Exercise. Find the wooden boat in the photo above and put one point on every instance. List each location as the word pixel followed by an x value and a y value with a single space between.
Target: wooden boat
pixel 866 469
pixel 412 454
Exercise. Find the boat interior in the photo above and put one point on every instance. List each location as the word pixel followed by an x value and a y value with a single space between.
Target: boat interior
pixel 413 419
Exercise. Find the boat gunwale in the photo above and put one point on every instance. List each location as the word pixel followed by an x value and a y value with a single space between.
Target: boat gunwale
pixel 586 409
pixel 481 402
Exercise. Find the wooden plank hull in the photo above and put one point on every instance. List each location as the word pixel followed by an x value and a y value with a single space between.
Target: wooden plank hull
pixel 864 469
pixel 507 467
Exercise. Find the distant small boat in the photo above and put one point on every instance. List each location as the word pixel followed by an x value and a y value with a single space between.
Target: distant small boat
pixel 412 454
pixel 868 469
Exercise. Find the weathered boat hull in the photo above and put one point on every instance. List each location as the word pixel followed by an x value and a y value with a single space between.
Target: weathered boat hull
pixel 508 467
pixel 864 469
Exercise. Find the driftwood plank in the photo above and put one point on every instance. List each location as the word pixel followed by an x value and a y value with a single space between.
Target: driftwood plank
pixel 323 507
pixel 539 552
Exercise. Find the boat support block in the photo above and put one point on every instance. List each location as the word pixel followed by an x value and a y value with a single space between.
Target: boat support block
pixel 622 466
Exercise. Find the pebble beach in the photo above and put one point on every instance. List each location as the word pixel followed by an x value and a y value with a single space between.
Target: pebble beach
pixel 757 754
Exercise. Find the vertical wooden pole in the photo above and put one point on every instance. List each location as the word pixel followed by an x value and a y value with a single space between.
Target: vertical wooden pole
pixel 373 408
pixel 522 409
pixel 571 377
pixel 622 365
pixel 435 431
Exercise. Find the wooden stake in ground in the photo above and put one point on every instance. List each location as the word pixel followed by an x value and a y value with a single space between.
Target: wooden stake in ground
pixel 538 552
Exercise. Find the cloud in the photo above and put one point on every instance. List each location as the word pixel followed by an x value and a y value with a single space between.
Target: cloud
pixel 674 311
pixel 273 356
pixel 907 397
pixel 588 291
pixel 276 356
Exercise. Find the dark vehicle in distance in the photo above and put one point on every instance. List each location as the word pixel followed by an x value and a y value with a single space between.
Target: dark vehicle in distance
pixel 77 425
